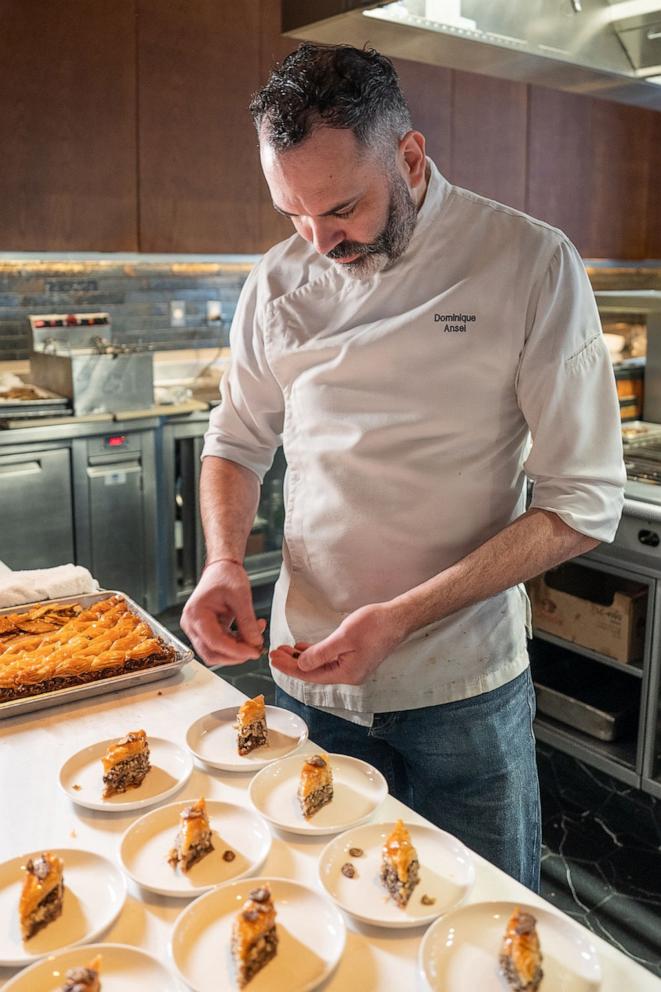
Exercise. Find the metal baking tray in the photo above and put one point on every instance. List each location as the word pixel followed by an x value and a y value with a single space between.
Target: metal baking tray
pixel 57 697
pixel 600 702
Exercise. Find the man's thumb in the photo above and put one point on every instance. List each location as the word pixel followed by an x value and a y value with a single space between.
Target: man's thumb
pixel 249 630
pixel 319 655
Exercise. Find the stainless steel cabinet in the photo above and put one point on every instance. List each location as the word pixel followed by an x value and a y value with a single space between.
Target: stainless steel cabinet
pixel 36 519
pixel 115 504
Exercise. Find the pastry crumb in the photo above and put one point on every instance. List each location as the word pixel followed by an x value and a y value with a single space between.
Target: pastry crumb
pixel 427 900
pixel 348 870
pixel 76 787
pixel 356 852
pixel 228 855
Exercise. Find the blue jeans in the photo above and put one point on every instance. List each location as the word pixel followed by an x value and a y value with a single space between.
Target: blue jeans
pixel 468 766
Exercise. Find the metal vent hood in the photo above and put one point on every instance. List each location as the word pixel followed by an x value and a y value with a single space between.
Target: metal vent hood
pixel 602 48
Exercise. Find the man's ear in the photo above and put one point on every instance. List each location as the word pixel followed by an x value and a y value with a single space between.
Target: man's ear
pixel 412 158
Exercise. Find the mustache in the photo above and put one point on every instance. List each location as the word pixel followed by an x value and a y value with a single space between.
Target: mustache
pixel 347 249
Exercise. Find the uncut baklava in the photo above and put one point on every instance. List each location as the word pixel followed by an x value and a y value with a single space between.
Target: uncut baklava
pixel 54 646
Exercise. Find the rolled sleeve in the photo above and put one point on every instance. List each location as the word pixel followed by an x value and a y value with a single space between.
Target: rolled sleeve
pixel 567 394
pixel 247 426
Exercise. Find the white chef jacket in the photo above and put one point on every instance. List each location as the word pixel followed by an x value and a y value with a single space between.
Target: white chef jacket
pixel 411 407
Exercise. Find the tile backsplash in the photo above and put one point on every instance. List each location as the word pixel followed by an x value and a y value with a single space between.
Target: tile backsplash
pixel 136 290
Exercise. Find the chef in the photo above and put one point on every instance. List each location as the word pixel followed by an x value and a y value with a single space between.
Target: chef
pixel 420 352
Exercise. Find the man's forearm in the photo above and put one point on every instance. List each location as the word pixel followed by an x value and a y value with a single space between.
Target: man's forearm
pixel 534 542
pixel 229 496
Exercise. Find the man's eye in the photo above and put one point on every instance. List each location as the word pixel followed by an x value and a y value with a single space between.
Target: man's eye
pixel 347 213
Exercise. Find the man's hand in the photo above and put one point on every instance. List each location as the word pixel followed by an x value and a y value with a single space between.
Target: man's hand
pixel 350 654
pixel 223 597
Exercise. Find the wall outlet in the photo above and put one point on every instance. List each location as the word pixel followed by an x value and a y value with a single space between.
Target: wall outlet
pixel 177 313
pixel 214 311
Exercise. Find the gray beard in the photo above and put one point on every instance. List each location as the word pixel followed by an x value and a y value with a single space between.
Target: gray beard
pixel 390 244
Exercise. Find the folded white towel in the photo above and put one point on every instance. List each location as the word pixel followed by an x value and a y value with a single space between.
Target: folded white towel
pixel 17 588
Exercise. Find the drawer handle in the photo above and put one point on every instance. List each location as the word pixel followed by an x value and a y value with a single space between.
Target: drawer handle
pixel 98 471
pixel 21 468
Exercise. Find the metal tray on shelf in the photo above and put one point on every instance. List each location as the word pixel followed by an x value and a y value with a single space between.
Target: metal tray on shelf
pixel 114 683
pixel 567 691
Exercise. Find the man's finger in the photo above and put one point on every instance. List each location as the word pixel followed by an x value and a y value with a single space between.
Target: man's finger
pixel 249 629
pixel 323 654
pixel 213 640
pixel 331 674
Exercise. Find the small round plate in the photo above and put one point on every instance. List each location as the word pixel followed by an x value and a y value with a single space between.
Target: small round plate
pixel 311 937
pixel 358 790
pixel 212 739
pixel 447 875
pixel 460 951
pixel 81 777
pixel 94 893
pixel 144 849
pixel 122 968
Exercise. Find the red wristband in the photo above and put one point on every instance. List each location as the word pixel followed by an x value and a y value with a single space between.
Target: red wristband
pixel 214 561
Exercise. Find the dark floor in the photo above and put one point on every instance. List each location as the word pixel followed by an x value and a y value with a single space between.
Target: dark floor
pixel 601 857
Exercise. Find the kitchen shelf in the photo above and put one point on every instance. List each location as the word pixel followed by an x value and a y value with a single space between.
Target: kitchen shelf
pixel 631 669
pixel 616 758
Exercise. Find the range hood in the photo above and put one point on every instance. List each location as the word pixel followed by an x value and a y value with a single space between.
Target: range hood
pixel 602 48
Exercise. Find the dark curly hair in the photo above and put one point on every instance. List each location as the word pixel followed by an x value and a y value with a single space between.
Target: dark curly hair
pixel 333 86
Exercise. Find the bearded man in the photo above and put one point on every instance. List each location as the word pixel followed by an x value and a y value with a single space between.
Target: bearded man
pixel 420 352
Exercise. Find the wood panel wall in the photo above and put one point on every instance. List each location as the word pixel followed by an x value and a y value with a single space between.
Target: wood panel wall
pixel 125 126
pixel 197 63
pixel 68 149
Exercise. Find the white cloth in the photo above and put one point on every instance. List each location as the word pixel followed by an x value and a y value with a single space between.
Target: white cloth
pixel 406 405
pixel 30 586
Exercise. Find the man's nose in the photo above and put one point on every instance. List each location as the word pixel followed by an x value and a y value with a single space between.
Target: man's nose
pixel 324 233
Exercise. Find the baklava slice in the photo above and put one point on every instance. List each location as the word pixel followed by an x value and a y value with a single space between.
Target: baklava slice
pixel 251 726
pixel 42 894
pixel 254 935
pixel 83 979
pixel 520 954
pixel 400 869
pixel 315 787
pixel 193 840
pixel 126 763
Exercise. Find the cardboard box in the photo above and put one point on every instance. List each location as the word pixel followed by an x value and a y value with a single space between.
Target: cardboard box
pixel 593 609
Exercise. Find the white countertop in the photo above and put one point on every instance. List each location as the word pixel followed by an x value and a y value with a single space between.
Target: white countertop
pixel 37 815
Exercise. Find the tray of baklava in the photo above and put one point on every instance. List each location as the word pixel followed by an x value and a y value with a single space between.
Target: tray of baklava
pixel 55 651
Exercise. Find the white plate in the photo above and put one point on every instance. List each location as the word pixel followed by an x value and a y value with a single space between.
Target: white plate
pixel 460 951
pixel 212 739
pixel 171 767
pixel 311 936
pixel 358 789
pixel 123 969
pixel 144 849
pixel 94 893
pixel 447 875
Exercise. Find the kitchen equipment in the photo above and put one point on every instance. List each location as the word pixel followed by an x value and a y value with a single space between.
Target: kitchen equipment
pixel 74 355
pixel 28 401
